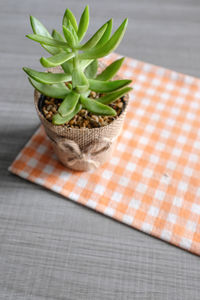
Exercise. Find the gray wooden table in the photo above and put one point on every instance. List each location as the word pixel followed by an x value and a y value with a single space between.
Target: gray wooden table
pixel 51 248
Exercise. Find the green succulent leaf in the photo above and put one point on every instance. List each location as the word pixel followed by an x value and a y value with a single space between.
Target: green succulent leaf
pixel 58 90
pixel 110 46
pixel 106 34
pixel 96 107
pixel 69 103
pixel 48 78
pixel 91 70
pixel 74 33
pixel 39 28
pixel 83 64
pixel 94 39
pixel 69 37
pixel 57 36
pixel 79 81
pixel 83 24
pixel 47 41
pixel 107 86
pixel 109 98
pixel 56 60
pixel 69 85
pixel 67 66
pixel 59 120
pixel 69 17
pixel 111 70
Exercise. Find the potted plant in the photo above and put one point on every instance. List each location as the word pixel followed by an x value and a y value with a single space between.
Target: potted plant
pixel 80 105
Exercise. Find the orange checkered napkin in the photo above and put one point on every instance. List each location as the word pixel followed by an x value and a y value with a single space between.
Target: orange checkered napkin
pixel 152 182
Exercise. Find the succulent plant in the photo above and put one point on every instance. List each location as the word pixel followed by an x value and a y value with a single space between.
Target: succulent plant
pixel 79 62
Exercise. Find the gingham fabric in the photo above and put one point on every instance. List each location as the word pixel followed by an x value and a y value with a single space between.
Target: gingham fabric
pixel 152 182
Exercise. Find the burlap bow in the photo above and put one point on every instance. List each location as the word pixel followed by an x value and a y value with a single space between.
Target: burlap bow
pixel 74 155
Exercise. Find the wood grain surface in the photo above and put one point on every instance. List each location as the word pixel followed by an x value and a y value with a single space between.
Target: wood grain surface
pixel 51 248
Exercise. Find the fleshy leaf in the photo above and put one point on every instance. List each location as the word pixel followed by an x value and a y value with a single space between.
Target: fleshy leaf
pixel 74 33
pixel 59 120
pixel 66 66
pixel 58 90
pixel 69 16
pixel 111 70
pixel 110 46
pixel 83 24
pixel 57 36
pixel 48 78
pixel 94 39
pixel 69 85
pixel 91 70
pixel 107 86
pixel 69 103
pixel 47 41
pixel 69 37
pixel 39 28
pixel 83 64
pixel 106 34
pixel 109 98
pixel 79 81
pixel 56 60
pixel 96 107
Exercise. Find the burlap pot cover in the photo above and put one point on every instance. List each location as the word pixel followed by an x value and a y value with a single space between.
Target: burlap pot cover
pixel 82 149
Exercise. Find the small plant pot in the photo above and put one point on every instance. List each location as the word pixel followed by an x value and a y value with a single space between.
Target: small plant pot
pixel 86 141
pixel 82 149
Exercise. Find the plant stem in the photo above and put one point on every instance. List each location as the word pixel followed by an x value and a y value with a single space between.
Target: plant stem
pixel 76 60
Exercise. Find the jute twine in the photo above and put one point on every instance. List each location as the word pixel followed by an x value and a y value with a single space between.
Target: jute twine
pixel 82 149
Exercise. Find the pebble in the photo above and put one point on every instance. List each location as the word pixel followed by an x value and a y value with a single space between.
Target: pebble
pixel 95 118
pixel 93 94
pixel 54 110
pixel 101 120
pixel 71 122
pixel 48 116
pixel 49 107
pixel 120 104
pixel 83 113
